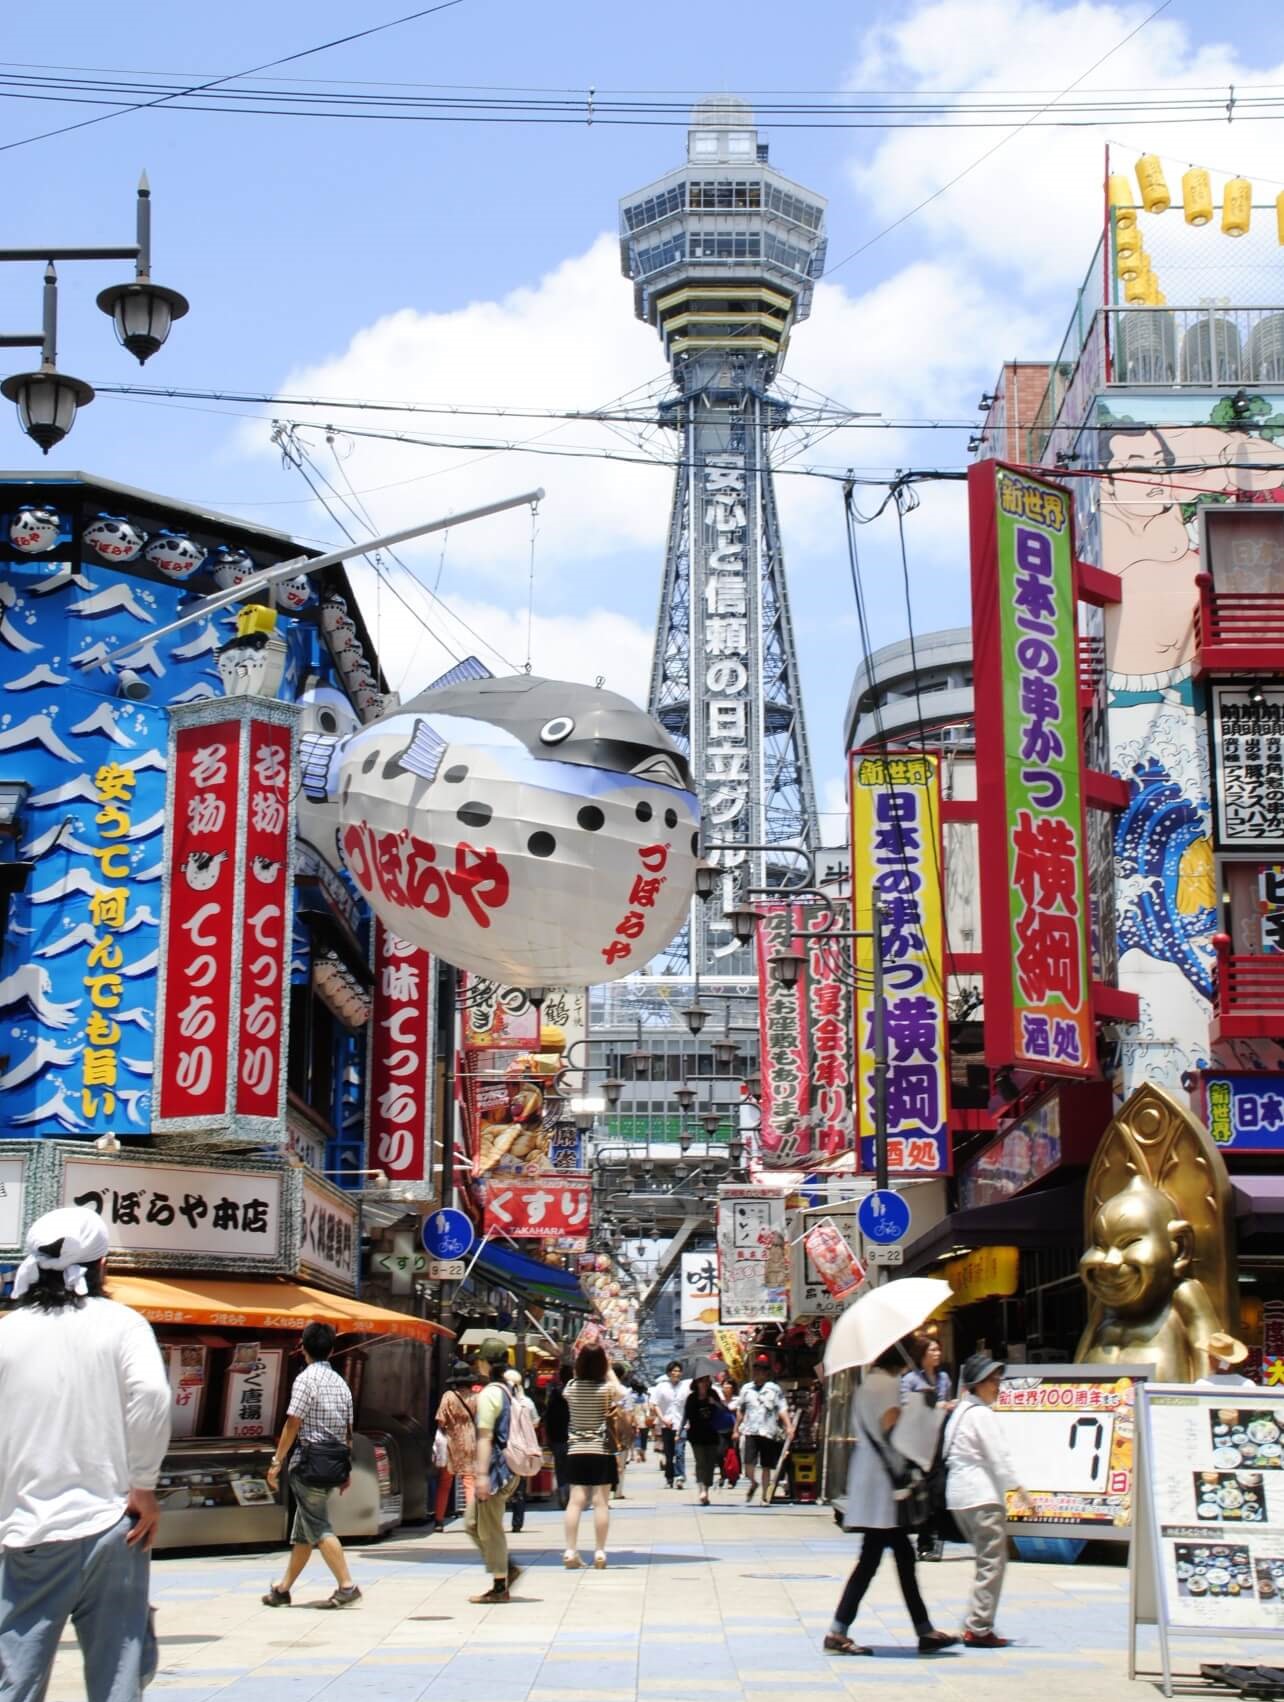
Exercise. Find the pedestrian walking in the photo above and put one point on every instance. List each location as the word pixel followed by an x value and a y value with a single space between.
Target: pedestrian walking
pixel 625 1425
pixel 591 1467
pixel 495 1483
pixel 456 1422
pixel 668 1399
pixel 516 1388
pixel 317 1440
pixel 979 1475
pixel 872 1509
pixel 759 1428
pixel 930 1379
pixel 84 1425
pixel 708 1425
pixel 557 1431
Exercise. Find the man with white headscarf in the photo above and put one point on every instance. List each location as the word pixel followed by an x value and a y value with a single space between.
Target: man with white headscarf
pixel 84 1425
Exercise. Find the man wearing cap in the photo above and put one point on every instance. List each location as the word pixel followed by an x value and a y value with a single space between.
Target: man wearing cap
pixel 760 1409
pixel 84 1425
pixel 979 1478
pixel 495 1483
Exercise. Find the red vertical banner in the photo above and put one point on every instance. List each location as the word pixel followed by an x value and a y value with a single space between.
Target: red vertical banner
pixel 226 924
pixel 199 928
pixel 265 924
pixel 829 1019
pixel 785 1134
pixel 399 1103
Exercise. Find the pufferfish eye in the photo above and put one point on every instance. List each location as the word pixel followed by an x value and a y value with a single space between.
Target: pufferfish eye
pixel 559 728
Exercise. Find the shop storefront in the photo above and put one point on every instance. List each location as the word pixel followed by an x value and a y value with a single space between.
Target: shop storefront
pixel 228 1261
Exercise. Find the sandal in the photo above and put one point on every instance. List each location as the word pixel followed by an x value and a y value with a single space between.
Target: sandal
pixel 276 1597
pixel 836 1645
pixel 572 1561
pixel 599 1560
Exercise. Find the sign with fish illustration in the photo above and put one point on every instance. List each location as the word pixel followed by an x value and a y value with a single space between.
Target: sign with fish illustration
pixel 225 928
pixel 535 831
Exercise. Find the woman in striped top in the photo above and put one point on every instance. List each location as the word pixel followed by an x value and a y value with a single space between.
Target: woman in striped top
pixel 590 1463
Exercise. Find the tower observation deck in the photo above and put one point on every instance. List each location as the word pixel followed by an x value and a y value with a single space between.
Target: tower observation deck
pixel 723 254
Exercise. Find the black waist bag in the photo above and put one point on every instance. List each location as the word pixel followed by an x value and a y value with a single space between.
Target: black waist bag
pixel 324 1464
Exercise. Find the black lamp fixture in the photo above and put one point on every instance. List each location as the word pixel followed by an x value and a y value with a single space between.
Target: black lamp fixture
pixel 535 997
pixel 725 1050
pixel 695 1017
pixel 641 1060
pixel 685 1138
pixel 735 1150
pixel 712 1122
pixel 612 1088
pixel 742 919
pixel 707 876
pixel 1257 695
pixel 142 311
pixel 753 1085
pixel 685 1096
pixel 787 966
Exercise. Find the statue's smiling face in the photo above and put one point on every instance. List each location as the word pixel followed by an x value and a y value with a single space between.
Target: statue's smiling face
pixel 1139 1253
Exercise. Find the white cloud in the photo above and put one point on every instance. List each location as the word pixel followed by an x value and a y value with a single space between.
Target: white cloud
pixel 1034 210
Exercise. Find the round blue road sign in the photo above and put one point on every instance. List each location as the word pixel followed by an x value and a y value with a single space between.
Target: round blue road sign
pixel 448 1234
pixel 883 1216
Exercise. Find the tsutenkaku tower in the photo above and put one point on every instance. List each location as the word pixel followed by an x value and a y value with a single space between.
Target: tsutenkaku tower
pixel 723 254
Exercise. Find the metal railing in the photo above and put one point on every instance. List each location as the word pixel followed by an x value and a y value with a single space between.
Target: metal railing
pixel 1249 996
pixel 1233 628
pixel 1208 347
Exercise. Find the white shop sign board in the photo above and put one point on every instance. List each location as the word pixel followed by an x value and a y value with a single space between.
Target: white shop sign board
pixel 13 1177
pixel 1208 1560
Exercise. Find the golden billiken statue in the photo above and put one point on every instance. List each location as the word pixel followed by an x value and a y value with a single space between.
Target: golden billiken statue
pixel 1159 1265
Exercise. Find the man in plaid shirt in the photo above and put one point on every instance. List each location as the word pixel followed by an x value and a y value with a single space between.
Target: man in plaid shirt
pixel 320 1411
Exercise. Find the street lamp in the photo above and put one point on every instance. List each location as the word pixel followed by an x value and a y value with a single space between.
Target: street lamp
pixel 725 1051
pixel 742 919
pixel 707 876
pixel 142 312
pixel 685 1097
pixel 612 1088
pixel 712 1122
pixel 696 1017
pixel 787 966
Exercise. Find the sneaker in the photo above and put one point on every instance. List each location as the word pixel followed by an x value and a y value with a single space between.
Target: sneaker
pixel 680 1483
pixel 493 1597
pixel 276 1597
pixel 345 1597
pixel 932 1642
pixel 986 1640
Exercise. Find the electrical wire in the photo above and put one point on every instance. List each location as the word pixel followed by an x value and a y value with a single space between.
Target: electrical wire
pixel 991 151
pixel 215 82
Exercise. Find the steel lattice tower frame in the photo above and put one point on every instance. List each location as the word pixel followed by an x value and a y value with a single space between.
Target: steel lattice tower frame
pixel 723 254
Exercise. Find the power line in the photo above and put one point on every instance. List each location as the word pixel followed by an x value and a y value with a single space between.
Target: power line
pixel 215 82
pixel 1002 142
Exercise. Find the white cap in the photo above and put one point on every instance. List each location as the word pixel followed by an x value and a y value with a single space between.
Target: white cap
pixel 65 1240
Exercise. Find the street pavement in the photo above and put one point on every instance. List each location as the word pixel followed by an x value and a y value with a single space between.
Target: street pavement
pixel 697 1605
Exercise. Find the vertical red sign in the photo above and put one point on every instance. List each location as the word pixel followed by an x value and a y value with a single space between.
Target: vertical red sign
pixel 785 1135
pixel 265 924
pixel 196 983
pixel 400 1055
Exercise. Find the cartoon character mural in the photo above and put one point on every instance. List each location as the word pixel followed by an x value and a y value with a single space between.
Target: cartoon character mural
pixel 1166 891
pixel 78 965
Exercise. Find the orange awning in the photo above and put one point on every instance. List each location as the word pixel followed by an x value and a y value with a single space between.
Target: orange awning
pixel 260 1306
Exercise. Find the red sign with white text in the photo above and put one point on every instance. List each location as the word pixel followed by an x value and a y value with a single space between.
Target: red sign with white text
pixel 265 926
pixel 555 1206
pixel 196 966
pixel 400 1058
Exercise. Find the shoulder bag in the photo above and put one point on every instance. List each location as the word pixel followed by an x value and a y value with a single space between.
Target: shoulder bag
pixel 910 1484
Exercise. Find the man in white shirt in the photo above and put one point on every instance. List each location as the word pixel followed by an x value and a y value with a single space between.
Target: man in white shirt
pixel 760 1410
pixel 669 1403
pixel 84 1425
pixel 979 1477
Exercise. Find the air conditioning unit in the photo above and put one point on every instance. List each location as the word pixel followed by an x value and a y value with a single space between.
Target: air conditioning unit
pixel 1210 352
pixel 1266 350
pixel 1147 347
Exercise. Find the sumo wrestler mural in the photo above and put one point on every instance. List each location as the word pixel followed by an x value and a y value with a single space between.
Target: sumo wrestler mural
pixel 1166 889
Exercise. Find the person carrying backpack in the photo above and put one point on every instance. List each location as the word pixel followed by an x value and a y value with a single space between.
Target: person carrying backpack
pixel 592 1396
pixel 506 1454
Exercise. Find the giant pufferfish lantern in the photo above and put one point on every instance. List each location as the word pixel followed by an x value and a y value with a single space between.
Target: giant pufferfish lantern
pixel 536 831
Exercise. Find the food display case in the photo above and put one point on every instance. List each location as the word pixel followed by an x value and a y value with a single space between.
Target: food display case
pixel 216 1492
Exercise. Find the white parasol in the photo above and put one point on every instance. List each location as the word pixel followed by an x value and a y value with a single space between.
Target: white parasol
pixel 879 1318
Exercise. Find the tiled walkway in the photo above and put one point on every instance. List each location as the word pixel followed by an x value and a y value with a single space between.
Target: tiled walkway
pixel 711 1606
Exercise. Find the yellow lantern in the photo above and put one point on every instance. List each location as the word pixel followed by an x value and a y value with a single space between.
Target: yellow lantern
pixel 1154 189
pixel 1128 245
pixel 1154 296
pixel 1120 197
pixel 1137 289
pixel 1237 206
pixel 1197 196
pixel 1129 265
pixel 1279 215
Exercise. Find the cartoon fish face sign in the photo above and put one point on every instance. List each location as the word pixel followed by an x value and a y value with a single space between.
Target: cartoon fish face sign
pixel 265 869
pixel 232 567
pixel 539 832
pixel 114 538
pixel 335 617
pixel 175 555
pixel 201 869
pixel 34 530
pixel 294 594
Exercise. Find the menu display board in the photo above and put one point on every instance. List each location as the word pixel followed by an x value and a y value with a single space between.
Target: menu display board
pixel 1070 1433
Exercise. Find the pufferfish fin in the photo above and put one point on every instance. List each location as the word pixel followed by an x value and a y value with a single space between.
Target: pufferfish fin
pixel 469 669
pixel 422 756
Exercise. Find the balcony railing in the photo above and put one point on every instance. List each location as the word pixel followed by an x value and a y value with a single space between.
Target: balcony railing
pixel 1248 1002
pixel 1237 630
pixel 1157 348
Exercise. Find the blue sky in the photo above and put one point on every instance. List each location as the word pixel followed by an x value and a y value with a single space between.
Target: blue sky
pixel 477 263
